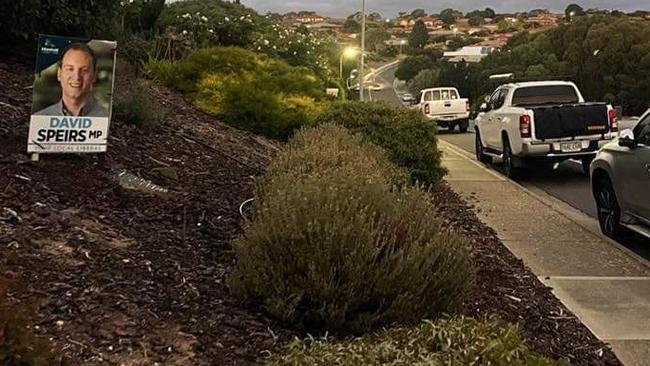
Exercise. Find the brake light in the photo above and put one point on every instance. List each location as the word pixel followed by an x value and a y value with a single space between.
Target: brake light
pixel 427 109
pixel 525 126
pixel 467 105
pixel 613 120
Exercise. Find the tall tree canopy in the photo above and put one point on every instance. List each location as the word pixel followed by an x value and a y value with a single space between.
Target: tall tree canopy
pixel 419 37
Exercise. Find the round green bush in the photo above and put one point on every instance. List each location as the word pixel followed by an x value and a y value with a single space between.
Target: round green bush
pixel 347 252
pixel 408 137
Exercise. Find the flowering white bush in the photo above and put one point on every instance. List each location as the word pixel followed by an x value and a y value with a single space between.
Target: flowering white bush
pixel 297 48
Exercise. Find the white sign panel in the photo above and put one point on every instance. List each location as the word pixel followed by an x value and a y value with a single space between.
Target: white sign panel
pixel 61 134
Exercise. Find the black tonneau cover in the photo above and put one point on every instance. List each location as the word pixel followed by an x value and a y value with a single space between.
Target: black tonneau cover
pixel 570 120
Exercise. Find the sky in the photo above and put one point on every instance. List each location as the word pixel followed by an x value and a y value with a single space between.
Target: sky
pixel 388 8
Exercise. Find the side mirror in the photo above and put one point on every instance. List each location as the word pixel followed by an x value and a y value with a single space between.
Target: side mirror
pixel 484 107
pixel 626 139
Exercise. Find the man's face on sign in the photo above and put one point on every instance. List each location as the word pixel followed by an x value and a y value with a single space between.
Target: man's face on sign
pixel 76 74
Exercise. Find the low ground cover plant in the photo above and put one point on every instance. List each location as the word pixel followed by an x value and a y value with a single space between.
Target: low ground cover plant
pixel 342 249
pixel 449 341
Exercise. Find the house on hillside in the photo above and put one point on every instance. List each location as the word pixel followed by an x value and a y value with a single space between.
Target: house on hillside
pixel 407 22
pixel 331 27
pixel 470 54
pixel 544 20
pixel 302 17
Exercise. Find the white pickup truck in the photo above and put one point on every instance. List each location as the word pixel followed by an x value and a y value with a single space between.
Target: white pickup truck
pixel 445 106
pixel 547 120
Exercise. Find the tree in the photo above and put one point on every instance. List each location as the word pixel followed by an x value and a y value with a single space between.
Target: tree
pixel 487 13
pixel 419 37
pixel 476 21
pixel 375 38
pixel 427 78
pixel 449 16
pixel 351 26
pixel 418 13
pixel 573 10
pixel 411 66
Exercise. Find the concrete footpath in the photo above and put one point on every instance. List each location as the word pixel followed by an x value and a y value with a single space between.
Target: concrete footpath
pixel 603 284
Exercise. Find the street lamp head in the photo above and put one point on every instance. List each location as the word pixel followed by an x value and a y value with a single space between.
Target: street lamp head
pixel 350 52
pixel 403 41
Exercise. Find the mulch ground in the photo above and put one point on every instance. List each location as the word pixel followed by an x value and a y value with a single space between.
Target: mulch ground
pixel 116 276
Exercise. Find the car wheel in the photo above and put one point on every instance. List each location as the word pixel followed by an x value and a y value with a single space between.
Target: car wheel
pixel 586 163
pixel 463 126
pixel 609 212
pixel 509 168
pixel 478 148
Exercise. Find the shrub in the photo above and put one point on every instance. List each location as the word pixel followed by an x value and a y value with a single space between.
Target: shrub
pixel 274 99
pixel 18 345
pixel 213 22
pixel 186 73
pixel 62 17
pixel 456 341
pixel 133 102
pixel 251 102
pixel 136 49
pixel 408 137
pixel 335 249
pixel 331 150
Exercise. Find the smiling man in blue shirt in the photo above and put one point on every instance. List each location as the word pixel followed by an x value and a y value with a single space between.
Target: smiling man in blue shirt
pixel 77 71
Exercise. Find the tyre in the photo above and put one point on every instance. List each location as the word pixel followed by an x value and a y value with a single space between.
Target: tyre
pixel 509 168
pixel 609 212
pixel 478 148
pixel 463 126
pixel 586 163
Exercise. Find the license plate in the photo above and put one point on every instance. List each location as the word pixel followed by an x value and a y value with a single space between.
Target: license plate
pixel 571 146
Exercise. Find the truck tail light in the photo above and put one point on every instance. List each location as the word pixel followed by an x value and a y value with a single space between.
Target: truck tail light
pixel 467 106
pixel 613 120
pixel 525 126
pixel 427 109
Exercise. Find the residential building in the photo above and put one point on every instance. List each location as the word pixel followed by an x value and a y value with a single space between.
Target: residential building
pixel 544 20
pixel 408 22
pixel 303 17
pixel 471 54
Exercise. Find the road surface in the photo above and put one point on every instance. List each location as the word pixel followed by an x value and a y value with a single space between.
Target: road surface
pixel 566 182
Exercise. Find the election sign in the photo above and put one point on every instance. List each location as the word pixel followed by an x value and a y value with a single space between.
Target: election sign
pixel 72 100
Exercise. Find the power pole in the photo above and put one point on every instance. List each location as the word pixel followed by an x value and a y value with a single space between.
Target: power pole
pixel 363 48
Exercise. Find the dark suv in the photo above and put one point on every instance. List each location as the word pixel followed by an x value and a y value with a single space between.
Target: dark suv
pixel 620 178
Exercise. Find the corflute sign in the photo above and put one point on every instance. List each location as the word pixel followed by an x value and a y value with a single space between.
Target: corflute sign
pixel 72 100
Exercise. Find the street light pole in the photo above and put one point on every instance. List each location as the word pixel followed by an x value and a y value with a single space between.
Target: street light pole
pixel 363 47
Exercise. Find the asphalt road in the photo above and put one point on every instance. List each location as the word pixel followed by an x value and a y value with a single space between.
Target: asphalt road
pixel 565 182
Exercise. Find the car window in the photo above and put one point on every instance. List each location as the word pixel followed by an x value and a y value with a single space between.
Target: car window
pixel 444 95
pixel 427 96
pixel 453 94
pixel 642 131
pixel 494 97
pixel 436 95
pixel 547 94
pixel 500 99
